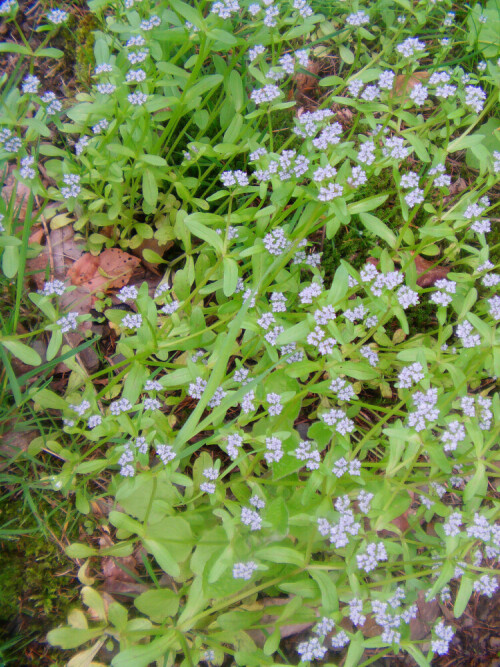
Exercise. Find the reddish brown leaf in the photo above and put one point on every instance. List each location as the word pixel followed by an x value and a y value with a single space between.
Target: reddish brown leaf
pixel 404 84
pixel 112 268
pixel 84 269
pixel 428 272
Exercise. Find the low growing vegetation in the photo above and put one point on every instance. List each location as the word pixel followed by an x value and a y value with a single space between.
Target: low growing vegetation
pixel 251 310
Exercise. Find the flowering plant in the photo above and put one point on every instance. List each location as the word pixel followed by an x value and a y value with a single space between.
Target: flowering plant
pixel 274 429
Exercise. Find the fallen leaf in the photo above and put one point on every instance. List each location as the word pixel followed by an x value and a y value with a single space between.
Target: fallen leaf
pixel 404 84
pixel 307 85
pixel 13 444
pixel 84 269
pixel 420 627
pixel 428 272
pixel 112 268
pixel 286 630
pixel 20 192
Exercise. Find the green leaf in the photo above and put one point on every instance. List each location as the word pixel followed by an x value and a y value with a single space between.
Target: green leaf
pixel 236 90
pixel 355 651
pixel 417 655
pixel 49 52
pixel 163 556
pixel 77 550
pixel 377 227
pixel 491 142
pixel 92 599
pixel 188 13
pixel 10 47
pixel 294 334
pixel 419 147
pixel 367 204
pixel 465 142
pixel 149 188
pixel 154 160
pixel 158 605
pixel 205 84
pixel 49 399
pixel 463 595
pixel 329 597
pixel 152 256
pixel 222 36
pixel 125 522
pixel 145 654
pixel 478 485
pixel 230 268
pixel 26 354
pixel 196 227
pixel 55 344
pixel 280 555
pixel 346 55
pixel 238 620
pixel 68 638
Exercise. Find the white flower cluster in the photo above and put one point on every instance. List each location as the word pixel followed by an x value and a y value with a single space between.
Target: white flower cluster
pixel 342 466
pixel 358 19
pixel 231 178
pixel 274 450
pixel 454 434
pixel 375 553
pixel 445 288
pixel 467 338
pixel 451 527
pixel 444 635
pixel 425 410
pixel 410 47
pixel 339 420
pixel 251 518
pixel 344 390
pixel 197 388
pixel 276 242
pixel 165 453
pixel 306 451
pixel 311 650
pixel 68 323
pixel 119 406
pixel 210 474
pixel 72 183
pixel 266 94
pixel 310 121
pixel 410 375
pixel 244 570
pixel 339 531
pixel 234 442
pixel 57 287
pixel 275 406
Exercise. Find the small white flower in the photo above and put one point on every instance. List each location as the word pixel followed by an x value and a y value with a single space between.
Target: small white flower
pixel 132 321
pixel 244 570
pixel 137 99
pixel 30 84
pixel 165 453
pixel 69 322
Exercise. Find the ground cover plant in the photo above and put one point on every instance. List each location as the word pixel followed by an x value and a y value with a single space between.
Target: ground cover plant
pixel 288 427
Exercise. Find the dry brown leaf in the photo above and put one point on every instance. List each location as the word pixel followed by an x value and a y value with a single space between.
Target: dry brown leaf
pixel 287 630
pixel 307 85
pixel 404 84
pixel 111 569
pixel 111 269
pixel 84 269
pixel 420 627
pixel 428 273
pixel 155 246
pixel 21 192
pixel 13 444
